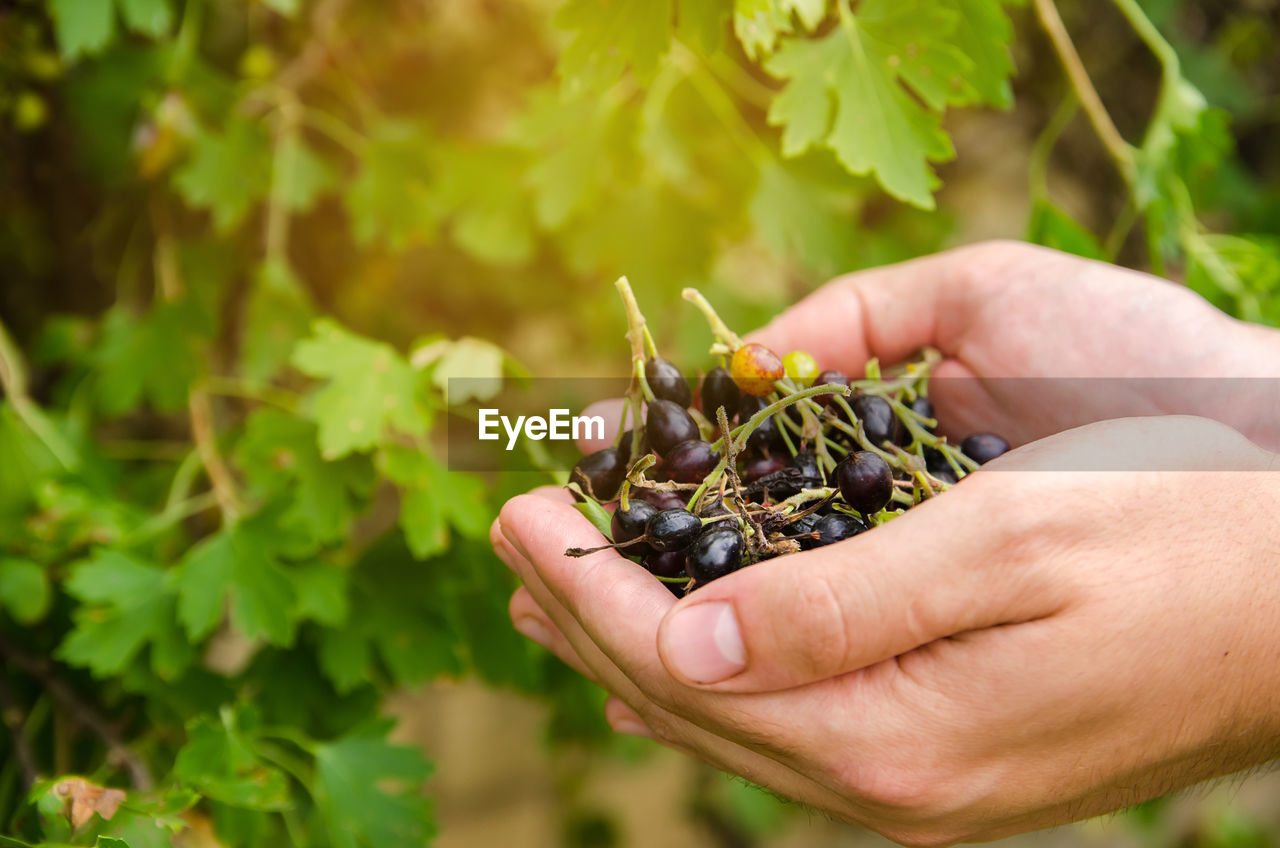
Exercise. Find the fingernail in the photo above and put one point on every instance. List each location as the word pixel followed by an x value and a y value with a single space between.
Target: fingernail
pixel 533 629
pixel 632 728
pixel 705 644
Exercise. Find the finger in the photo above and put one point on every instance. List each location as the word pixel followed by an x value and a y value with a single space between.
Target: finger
pixel 611 410
pixel 807 617
pixel 893 311
pixel 532 622
pixel 623 719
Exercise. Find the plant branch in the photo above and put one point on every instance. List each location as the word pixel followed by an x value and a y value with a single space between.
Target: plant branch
pixel 81 712
pixel 1118 149
pixel 13 380
pixel 15 720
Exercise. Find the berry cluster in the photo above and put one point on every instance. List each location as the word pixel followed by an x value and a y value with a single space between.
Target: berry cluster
pixel 775 457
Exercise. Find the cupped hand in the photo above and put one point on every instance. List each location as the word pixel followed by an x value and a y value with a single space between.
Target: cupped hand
pixel 1031 648
pixel 1036 341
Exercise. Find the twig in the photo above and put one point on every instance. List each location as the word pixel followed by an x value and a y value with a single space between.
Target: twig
pixel 1118 149
pixel 15 720
pixel 13 379
pixel 81 713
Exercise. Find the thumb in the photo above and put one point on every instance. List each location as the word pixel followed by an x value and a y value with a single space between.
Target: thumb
pixel 806 617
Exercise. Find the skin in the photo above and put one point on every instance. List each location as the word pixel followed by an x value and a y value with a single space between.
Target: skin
pixel 1031 649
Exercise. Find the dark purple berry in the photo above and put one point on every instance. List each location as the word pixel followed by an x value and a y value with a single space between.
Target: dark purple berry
pixel 807 464
pixel 667 381
pixel 756 467
pixel 690 462
pixel 835 528
pixel 983 447
pixel 877 417
pixel 718 389
pixel 825 378
pixel 673 530
pixel 766 435
pixel 865 481
pixel 628 524
pixel 668 424
pixel 666 563
pixel 714 509
pixel 600 473
pixel 658 498
pixel 716 553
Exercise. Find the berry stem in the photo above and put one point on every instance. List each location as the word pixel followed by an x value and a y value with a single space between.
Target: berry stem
pixel 719 328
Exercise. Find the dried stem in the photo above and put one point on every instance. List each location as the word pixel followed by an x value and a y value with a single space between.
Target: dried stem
pixel 81 712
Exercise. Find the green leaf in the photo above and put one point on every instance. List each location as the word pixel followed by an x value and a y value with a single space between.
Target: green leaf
pixel 280 459
pixel 24 590
pixel 433 499
pixel 983 33
pixel 391 200
pixel 758 24
pixel 474 366
pixel 238 564
pixel 361 808
pixel 701 24
pixel 24 460
pixel 845 92
pixel 795 216
pixel 218 761
pixel 150 17
pixel 227 172
pixel 110 842
pixel 611 35
pixel 129 354
pixel 83 26
pixel 278 314
pixel 480 190
pixel 301 174
pixel 126 603
pixel 371 390
pixel 1053 227
pixel 322 593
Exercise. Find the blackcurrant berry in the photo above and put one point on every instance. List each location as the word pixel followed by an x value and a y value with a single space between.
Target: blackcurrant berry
pixel 766 435
pixel 826 378
pixel 802 526
pixel 629 523
pixel 877 417
pixel 715 509
pixel 716 553
pixel 865 481
pixel 600 473
pixel 667 381
pixel 756 467
pixel 807 464
pixel 835 528
pixel 666 563
pixel 690 462
pixel 718 389
pixel 922 406
pixel 984 447
pixel 668 424
pixel 673 530
pixel 659 498
pixel 755 369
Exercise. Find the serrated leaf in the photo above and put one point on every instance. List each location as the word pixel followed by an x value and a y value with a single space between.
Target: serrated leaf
pixel 322 593
pixel 301 174
pixel 110 842
pixel 845 92
pixel 391 200
pixel 983 33
pixel 280 459
pixel 150 17
pixel 228 172
pixel 371 390
pixel 278 314
pixel 155 358
pixel 83 26
pixel 24 590
pixel 610 36
pixel 1053 227
pixel 218 760
pixel 433 499
pixel 795 217
pixel 362 809
pixel 238 566
pixel 126 604
pixel 701 24
pixel 468 369
pixel 759 24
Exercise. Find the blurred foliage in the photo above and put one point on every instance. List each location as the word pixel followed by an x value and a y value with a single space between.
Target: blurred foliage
pixel 243 240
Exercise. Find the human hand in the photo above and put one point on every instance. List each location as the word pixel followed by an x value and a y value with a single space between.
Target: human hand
pixel 1036 341
pixel 1030 649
